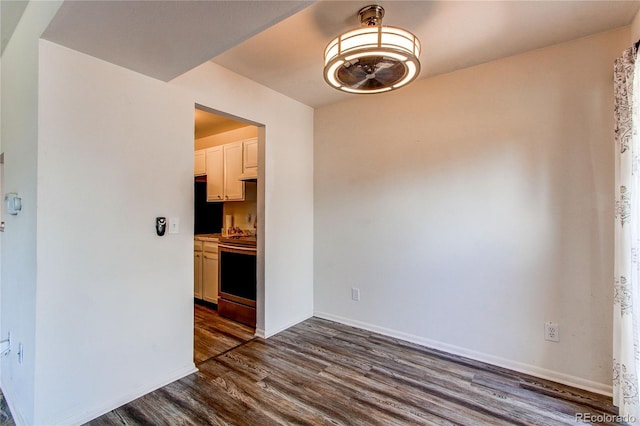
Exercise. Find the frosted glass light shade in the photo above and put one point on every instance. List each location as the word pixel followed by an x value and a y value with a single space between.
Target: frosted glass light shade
pixel 372 59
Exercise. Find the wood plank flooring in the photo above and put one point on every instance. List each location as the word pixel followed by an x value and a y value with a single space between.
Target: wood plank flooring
pixel 214 334
pixel 323 373
pixel 5 415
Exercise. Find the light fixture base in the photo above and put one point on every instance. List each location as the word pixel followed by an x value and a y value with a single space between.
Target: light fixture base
pixel 371 15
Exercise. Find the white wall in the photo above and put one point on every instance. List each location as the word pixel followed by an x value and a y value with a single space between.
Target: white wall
pixel 472 207
pixel 285 243
pixel 1 211
pixel 107 304
pixel 19 142
pixel 114 300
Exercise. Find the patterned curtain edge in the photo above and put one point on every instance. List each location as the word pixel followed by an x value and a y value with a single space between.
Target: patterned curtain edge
pixel 626 348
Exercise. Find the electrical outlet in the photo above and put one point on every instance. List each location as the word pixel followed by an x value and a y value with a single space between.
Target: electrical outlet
pixel 551 331
pixel 355 294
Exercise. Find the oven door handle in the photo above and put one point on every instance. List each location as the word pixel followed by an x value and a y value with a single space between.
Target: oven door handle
pixel 224 246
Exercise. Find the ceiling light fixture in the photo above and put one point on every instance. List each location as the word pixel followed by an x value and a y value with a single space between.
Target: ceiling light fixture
pixel 372 59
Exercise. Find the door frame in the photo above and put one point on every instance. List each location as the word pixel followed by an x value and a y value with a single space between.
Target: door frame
pixel 260 204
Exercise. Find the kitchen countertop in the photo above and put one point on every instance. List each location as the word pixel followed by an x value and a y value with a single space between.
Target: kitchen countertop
pixel 240 240
pixel 207 237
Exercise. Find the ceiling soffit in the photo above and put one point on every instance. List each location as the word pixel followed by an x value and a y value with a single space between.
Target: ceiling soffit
pixel 162 39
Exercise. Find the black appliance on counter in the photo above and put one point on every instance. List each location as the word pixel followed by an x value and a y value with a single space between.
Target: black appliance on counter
pixel 207 216
pixel 237 279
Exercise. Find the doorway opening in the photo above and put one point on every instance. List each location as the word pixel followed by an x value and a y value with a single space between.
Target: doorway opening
pixel 228 213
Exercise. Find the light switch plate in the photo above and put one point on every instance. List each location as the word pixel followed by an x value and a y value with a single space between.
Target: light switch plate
pixel 355 294
pixel 14 203
pixel 174 225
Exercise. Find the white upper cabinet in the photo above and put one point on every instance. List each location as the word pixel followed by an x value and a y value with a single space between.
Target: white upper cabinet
pixel 200 163
pixel 233 186
pixel 250 159
pixel 226 167
pixel 215 173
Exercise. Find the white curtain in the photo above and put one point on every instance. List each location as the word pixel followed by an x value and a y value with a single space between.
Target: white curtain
pixel 626 307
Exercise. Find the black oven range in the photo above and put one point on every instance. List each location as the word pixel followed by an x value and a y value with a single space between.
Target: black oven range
pixel 237 278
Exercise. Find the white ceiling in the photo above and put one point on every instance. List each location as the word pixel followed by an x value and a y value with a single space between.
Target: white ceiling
pixel 162 38
pixel 280 43
pixel 10 14
pixel 454 34
pixel 207 124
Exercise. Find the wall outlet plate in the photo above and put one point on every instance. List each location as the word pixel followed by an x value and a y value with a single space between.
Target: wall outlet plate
pixel 551 331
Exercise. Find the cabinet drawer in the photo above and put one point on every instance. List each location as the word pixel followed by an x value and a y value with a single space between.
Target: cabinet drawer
pixel 197 245
pixel 210 247
pixel 237 312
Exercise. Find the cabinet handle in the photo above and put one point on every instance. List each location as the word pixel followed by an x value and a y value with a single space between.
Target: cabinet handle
pixel 226 196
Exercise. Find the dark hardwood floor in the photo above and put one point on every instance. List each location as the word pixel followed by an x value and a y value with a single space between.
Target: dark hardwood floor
pixel 323 373
pixel 214 334
pixel 5 415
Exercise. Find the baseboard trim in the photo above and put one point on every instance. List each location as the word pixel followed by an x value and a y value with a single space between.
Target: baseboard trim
pixel 520 367
pixel 103 408
pixel 266 335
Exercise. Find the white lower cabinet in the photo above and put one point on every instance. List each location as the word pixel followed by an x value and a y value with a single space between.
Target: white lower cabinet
pixel 197 269
pixel 205 270
pixel 210 272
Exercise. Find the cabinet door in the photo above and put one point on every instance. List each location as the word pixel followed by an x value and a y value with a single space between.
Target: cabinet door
pixel 233 186
pixel 215 173
pixel 199 163
pixel 197 274
pixel 250 154
pixel 210 277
